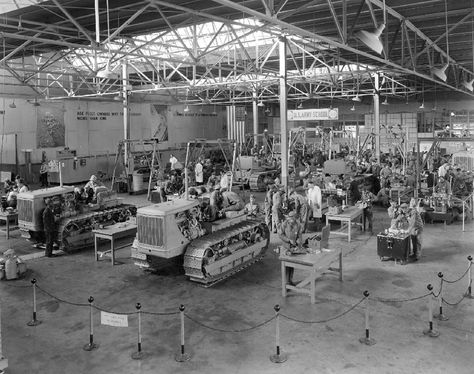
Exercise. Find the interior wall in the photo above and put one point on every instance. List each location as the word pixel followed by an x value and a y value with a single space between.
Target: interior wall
pixel 95 128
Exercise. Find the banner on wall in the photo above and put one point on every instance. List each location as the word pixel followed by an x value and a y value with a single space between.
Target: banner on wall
pixel 50 131
pixel 323 114
pixel 160 123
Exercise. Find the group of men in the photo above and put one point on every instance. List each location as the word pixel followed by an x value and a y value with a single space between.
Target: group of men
pixel 12 189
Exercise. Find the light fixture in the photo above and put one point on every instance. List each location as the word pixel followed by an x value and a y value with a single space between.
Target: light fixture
pixel 107 73
pixel 35 103
pixel 386 101
pixel 468 85
pixel 440 73
pixel 353 107
pixel 267 110
pixel 186 109
pixel 422 106
pixel 356 98
pixel 372 39
pixel 118 97
pixel 12 105
pixel 452 114
pixel 261 104
pixel 300 106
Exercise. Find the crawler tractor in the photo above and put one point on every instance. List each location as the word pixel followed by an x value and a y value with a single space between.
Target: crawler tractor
pixel 212 250
pixel 75 219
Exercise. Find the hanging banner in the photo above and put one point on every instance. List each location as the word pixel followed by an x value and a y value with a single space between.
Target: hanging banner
pixel 324 114
pixel 112 319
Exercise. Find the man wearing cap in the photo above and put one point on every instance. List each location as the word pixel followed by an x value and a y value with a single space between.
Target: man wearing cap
pixel 268 205
pixel 90 187
pixel 415 229
pixel 290 233
pixel 49 227
pixel 251 208
pixel 301 206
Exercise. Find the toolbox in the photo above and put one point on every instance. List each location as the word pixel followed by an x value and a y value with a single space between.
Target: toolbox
pixel 393 246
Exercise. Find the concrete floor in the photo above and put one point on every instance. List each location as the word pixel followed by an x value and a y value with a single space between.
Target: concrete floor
pixel 243 301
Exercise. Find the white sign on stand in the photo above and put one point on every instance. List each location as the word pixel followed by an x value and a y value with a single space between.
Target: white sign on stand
pixel 323 114
pixel 112 319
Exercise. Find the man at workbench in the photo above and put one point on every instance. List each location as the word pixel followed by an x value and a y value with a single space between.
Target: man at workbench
pixel 291 234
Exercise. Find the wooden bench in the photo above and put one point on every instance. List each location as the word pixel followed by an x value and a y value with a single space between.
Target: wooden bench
pixel 314 263
pixel 117 231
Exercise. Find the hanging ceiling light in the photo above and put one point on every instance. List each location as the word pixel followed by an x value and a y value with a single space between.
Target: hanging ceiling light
pixel 440 73
pixel 469 85
pixel 422 106
pixel 356 98
pixel 386 101
pixel 261 104
pixel 267 110
pixel 372 39
pixel 186 109
pixel 300 105
pixel 353 107
pixel 107 73
pixel 12 105
pixel 118 97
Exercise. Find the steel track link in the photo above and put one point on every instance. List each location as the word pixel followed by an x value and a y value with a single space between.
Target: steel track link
pixel 194 254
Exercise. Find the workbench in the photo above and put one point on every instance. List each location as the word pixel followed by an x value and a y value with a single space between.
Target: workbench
pixel 8 218
pixel 112 233
pixel 315 264
pixel 346 218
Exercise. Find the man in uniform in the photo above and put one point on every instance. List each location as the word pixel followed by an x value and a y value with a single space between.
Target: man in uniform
pixel 290 233
pixel 231 201
pixel 251 208
pixel 415 229
pixel 49 226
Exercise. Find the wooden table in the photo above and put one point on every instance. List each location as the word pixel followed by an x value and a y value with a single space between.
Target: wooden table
pixel 315 264
pixel 346 218
pixel 9 218
pixel 113 232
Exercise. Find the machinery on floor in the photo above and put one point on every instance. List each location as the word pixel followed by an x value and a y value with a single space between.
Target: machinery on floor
pixel 75 218
pixel 212 250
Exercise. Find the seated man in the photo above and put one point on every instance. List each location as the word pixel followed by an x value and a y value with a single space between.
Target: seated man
pixel 383 197
pixel 251 208
pixel 90 188
pixel 231 201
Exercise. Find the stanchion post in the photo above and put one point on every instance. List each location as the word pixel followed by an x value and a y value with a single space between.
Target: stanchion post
pixel 441 316
pixel 34 321
pixel 430 331
pixel 139 354
pixel 469 280
pixel 182 356
pixel 3 360
pixel 279 356
pixel 367 340
pixel 91 346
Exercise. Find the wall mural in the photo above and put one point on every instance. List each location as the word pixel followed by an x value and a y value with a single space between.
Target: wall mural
pixel 51 131
pixel 160 123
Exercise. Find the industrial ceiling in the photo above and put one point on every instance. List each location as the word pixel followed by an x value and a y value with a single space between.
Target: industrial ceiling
pixel 222 51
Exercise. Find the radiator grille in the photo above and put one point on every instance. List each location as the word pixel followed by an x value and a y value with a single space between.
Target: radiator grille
pixel 25 210
pixel 150 230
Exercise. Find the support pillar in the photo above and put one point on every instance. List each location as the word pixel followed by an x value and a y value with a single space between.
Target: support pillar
pixel 283 112
pixel 377 117
pixel 255 116
pixel 126 123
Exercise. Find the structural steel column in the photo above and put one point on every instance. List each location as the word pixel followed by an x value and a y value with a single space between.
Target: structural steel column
pixel 283 112
pixel 126 124
pixel 255 117
pixel 377 117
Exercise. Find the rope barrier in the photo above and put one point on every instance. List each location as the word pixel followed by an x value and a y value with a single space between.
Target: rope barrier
pixel 59 299
pixel 160 313
pixel 383 300
pixel 233 331
pixel 461 277
pixel 328 319
pixel 110 311
pixel 456 303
